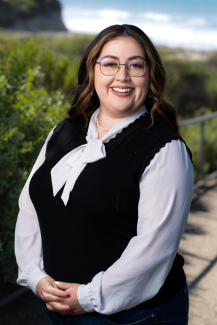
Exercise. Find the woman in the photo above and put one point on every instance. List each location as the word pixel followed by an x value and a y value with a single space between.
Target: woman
pixel 109 195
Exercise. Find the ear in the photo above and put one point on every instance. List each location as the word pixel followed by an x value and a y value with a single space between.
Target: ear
pixel 62 285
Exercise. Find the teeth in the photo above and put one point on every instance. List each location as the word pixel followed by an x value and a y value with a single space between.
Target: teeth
pixel 125 90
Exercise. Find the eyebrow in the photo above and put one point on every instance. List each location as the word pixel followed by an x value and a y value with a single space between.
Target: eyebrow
pixel 132 57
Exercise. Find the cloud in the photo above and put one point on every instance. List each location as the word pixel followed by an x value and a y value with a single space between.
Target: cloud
pixel 196 22
pixel 114 14
pixel 157 17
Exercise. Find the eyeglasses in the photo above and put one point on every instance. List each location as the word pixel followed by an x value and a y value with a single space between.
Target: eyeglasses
pixel 110 66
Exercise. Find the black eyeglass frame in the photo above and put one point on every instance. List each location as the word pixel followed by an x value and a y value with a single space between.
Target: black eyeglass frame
pixel 110 75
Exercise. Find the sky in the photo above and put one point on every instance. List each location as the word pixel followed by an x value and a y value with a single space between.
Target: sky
pixel 189 24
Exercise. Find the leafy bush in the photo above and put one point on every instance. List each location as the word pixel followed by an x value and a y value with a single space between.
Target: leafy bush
pixel 57 70
pixel 191 135
pixel 191 85
pixel 27 114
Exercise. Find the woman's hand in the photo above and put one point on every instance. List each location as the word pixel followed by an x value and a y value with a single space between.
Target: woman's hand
pixel 47 287
pixel 58 303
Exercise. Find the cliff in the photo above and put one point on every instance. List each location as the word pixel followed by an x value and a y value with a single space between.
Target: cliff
pixel 31 15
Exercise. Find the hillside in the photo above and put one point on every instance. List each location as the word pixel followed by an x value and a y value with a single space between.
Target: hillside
pixel 31 15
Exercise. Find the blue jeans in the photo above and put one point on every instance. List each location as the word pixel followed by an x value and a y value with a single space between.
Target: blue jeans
pixel 172 312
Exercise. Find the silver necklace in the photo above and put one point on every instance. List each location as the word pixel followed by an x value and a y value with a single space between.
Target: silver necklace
pixel 97 122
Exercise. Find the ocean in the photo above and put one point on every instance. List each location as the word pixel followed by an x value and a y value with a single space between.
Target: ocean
pixel 176 23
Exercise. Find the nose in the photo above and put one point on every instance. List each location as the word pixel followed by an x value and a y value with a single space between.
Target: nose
pixel 122 74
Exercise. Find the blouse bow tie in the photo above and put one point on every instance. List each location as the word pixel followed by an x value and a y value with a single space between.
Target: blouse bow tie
pixel 71 165
pixel 67 170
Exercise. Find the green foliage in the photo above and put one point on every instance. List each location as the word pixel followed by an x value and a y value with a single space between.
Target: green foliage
pixel 191 135
pixel 58 71
pixel 27 114
pixel 191 85
pixel 35 75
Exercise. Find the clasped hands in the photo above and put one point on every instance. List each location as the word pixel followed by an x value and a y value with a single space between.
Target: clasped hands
pixel 59 296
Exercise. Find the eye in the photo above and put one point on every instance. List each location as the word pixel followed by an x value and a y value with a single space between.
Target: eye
pixel 111 65
pixel 136 66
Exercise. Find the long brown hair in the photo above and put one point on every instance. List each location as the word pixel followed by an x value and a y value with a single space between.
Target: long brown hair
pixel 86 100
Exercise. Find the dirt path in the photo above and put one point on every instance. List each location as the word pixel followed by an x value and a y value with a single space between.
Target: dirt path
pixel 199 248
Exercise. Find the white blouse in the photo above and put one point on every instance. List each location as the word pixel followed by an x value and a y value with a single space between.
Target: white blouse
pixel 166 189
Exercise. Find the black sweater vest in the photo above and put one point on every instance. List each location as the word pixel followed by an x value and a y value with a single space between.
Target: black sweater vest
pixel 90 233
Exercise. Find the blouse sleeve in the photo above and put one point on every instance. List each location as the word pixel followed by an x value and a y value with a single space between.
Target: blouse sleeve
pixel 28 246
pixel 166 189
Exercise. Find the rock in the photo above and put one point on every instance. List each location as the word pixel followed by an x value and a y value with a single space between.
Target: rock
pixel 42 22
pixel 37 15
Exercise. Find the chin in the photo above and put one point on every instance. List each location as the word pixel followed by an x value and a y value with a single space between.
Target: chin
pixel 127 109
pixel 122 107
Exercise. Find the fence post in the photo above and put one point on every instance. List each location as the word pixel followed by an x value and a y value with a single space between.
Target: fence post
pixel 202 144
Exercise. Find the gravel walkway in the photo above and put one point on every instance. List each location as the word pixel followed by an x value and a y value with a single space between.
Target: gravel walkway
pixel 199 248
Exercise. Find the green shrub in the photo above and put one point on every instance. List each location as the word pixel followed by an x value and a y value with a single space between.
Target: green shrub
pixel 191 135
pixel 191 85
pixel 27 114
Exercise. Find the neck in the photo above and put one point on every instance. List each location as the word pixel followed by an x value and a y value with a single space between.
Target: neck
pixel 107 121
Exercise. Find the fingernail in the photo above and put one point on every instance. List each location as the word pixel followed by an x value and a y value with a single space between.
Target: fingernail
pixel 67 295
pixel 70 313
pixel 57 282
pixel 42 293
pixel 68 309
pixel 63 315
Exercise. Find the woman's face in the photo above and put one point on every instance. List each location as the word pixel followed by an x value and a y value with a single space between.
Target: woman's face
pixel 123 48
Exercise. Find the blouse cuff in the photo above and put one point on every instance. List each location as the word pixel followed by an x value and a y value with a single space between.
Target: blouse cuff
pixel 84 298
pixel 89 296
pixel 31 275
pixel 35 277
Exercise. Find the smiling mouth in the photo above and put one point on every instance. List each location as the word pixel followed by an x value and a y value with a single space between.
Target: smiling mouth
pixel 124 90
